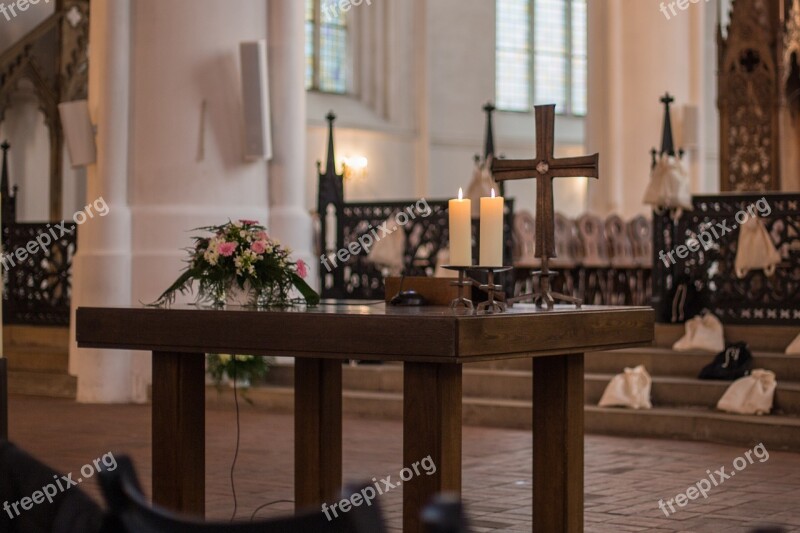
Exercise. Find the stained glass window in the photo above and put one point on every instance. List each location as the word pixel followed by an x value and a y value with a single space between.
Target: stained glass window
pixel 326 46
pixel 541 55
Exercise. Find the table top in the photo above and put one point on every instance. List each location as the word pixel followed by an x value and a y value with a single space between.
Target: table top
pixel 366 330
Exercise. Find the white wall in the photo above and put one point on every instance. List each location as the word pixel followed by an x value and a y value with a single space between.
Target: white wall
pixel 185 52
pixel 637 54
pixel 29 157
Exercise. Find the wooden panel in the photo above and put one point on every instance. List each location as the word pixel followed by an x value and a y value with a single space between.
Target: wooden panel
pixel 337 330
pixel 555 331
pixel 558 443
pixel 437 291
pixel 431 427
pixel 179 432
pixel 317 432
pixel 367 331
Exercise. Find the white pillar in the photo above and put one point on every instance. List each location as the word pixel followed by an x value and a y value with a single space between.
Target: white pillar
pixel 289 219
pixel 636 54
pixel 101 273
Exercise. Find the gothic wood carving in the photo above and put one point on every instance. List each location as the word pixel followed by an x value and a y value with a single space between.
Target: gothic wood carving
pixel 749 97
pixel 53 59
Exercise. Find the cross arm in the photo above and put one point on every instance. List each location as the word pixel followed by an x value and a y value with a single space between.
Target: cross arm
pixel 572 167
pixel 514 169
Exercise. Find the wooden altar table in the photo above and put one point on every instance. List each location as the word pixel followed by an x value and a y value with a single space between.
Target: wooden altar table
pixel 432 342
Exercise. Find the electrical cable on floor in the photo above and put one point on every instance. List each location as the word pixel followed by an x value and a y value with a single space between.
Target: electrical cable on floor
pixel 236 453
pixel 253 517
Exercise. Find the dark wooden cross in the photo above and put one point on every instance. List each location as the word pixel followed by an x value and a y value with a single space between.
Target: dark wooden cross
pixel 545 167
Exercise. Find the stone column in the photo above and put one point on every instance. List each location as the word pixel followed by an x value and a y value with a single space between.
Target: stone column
pixel 636 54
pixel 101 274
pixel 289 219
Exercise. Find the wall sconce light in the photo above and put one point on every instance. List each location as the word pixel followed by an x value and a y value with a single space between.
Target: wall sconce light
pixel 354 168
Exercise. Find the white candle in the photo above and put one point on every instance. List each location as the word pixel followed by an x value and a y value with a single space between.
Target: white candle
pixel 460 214
pixel 492 231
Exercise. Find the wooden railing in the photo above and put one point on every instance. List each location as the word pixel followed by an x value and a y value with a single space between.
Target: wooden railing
pixel 36 286
pixel 425 236
pixel 710 274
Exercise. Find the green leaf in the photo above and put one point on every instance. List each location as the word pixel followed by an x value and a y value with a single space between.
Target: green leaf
pixel 310 295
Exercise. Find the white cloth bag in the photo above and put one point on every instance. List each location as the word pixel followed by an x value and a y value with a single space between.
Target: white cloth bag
pixel 388 251
pixel 669 185
pixel 750 395
pixel 755 250
pixel 629 389
pixel 794 347
pixel 702 333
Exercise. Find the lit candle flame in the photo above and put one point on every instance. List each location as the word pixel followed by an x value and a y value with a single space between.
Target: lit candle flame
pixel 492 192
pixel 460 194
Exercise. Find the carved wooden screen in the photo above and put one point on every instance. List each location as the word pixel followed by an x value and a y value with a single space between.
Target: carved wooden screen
pixel 53 58
pixel 749 97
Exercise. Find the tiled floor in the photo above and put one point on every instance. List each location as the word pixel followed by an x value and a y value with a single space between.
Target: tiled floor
pixel 625 478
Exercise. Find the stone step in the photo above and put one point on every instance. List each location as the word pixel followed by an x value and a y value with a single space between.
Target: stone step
pixel 759 338
pixel 776 432
pixel 665 362
pixel 37 348
pixel 660 362
pixel 516 385
pixel 53 385
pixel 690 392
pixel 482 383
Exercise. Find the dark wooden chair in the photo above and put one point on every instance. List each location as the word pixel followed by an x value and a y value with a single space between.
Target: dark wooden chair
pixel 131 513
pixel 64 511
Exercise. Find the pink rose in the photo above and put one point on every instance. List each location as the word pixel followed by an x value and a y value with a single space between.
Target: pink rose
pixel 259 247
pixel 226 249
pixel 247 222
pixel 262 236
pixel 302 269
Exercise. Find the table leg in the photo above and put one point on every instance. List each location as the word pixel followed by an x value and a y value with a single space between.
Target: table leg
pixel 317 431
pixel 431 427
pixel 558 443
pixel 179 425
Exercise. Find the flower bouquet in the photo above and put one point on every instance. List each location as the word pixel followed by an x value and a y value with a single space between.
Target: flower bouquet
pixel 241 255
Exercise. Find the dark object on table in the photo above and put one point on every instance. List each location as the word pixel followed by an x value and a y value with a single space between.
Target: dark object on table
pixel 131 513
pixel 445 514
pixel 71 511
pixel 732 363
pixel 408 298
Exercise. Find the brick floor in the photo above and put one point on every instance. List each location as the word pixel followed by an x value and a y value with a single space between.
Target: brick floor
pixel 625 478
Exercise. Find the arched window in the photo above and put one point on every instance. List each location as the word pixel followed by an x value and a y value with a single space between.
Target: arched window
pixel 541 55
pixel 326 47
